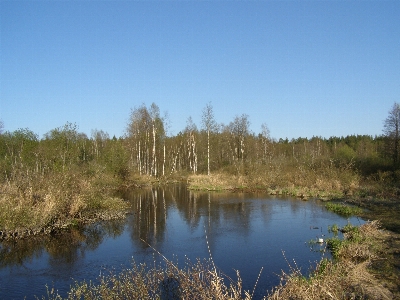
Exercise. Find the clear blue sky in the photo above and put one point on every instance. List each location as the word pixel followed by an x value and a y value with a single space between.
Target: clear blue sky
pixel 305 68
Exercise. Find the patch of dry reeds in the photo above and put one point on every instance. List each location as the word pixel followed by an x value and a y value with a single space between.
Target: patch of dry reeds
pixel 37 203
pixel 294 178
pixel 199 280
pixel 215 182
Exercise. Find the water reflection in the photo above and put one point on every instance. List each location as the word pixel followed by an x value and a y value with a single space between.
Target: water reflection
pixel 244 232
pixel 151 210
pixel 65 248
pixel 150 215
pixel 12 253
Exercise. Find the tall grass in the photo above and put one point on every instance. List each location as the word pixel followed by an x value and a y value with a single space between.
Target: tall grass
pixel 34 203
pixel 293 178
pixel 194 281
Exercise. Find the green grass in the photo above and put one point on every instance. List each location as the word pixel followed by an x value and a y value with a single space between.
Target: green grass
pixel 343 210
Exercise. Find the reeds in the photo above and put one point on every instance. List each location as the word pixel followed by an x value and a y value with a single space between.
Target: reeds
pixel 299 178
pixel 165 280
pixel 36 203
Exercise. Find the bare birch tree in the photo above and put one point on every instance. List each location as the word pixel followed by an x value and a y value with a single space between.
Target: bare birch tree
pixel 145 130
pixel 167 125
pixel 190 131
pixel 155 119
pixel 240 130
pixel 209 125
pixel 138 134
pixel 99 139
pixel 265 139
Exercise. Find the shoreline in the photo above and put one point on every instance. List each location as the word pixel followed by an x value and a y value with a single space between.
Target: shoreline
pixel 107 207
pixel 385 276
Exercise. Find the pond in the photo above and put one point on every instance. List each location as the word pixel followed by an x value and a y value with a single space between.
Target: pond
pixel 244 231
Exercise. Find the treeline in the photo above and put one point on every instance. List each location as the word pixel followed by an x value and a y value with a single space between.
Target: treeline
pixel 235 149
pixel 60 150
pixel 146 149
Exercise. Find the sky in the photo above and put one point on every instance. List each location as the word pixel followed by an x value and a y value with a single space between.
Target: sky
pixel 303 68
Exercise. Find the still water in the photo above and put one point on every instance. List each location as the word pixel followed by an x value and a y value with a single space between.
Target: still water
pixel 245 232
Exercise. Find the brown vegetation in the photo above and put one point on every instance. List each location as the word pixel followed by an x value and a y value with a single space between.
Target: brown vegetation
pixel 36 204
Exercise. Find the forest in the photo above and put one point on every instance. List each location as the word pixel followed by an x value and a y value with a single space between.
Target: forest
pixel 67 177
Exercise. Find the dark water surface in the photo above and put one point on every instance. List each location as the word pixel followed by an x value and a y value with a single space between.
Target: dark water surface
pixel 245 232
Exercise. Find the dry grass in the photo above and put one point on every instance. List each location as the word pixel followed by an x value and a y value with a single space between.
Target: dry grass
pixel 42 203
pixel 216 182
pixel 163 281
pixel 290 179
pixel 344 280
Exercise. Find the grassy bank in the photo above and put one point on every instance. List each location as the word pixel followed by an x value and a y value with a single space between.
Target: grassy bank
pixel 376 198
pixel 290 184
pixel 34 204
pixel 362 269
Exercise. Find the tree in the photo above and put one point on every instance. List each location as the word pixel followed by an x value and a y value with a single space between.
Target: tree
pixel 1 127
pixel 19 146
pixel 265 139
pixel 99 139
pixel 64 145
pixel 190 132
pixel 164 138
pixel 209 125
pixel 138 131
pixel 239 129
pixel 155 126
pixel 392 132
pixel 145 131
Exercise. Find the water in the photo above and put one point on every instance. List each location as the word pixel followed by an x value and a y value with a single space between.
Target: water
pixel 244 231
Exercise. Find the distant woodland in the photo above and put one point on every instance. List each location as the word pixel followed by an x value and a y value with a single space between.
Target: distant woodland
pixel 146 149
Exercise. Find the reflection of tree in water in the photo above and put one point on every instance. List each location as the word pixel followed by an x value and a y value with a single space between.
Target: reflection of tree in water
pixel 150 213
pixel 113 228
pixel 16 252
pixel 237 217
pixel 218 212
pixel 65 248
pixel 189 204
pixel 96 232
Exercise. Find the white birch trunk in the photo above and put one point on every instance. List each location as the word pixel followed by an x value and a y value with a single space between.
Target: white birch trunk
pixel 208 152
